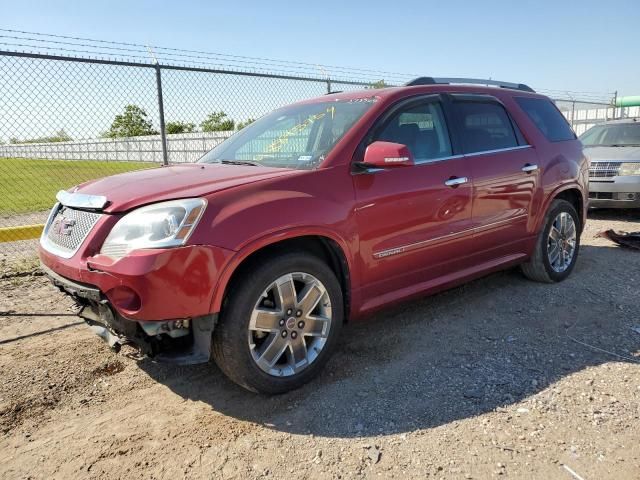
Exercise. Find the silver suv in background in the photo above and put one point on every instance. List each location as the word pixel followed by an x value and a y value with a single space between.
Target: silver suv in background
pixel 613 150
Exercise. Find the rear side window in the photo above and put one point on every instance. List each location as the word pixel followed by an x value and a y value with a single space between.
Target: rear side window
pixel 547 118
pixel 485 126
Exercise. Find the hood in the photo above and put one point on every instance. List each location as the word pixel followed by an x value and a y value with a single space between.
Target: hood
pixel 613 154
pixel 133 189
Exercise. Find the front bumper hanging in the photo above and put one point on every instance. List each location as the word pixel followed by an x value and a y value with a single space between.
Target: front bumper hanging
pixel 184 341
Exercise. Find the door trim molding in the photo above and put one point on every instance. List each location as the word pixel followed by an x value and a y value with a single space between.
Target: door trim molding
pixel 424 243
pixel 413 246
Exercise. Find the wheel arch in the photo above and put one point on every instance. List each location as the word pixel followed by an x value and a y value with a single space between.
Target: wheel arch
pixel 571 193
pixel 574 197
pixel 330 249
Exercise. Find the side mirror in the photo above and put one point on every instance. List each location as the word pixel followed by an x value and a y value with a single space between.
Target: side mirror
pixel 387 155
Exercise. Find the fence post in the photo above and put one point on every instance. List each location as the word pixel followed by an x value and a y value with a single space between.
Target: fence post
pixel 328 85
pixel 163 131
pixel 573 115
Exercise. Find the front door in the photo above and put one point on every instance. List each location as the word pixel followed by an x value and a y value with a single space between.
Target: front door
pixel 415 221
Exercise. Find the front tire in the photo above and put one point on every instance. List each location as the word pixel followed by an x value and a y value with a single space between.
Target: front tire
pixel 279 324
pixel 557 245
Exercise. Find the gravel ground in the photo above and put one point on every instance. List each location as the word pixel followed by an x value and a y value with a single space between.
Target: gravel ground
pixel 499 378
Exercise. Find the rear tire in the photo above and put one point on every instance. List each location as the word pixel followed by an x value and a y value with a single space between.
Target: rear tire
pixel 270 314
pixel 544 265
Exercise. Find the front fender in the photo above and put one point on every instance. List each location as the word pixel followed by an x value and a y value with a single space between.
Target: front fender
pixel 268 240
pixel 253 216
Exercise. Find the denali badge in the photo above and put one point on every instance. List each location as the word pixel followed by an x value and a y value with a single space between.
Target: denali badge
pixel 63 226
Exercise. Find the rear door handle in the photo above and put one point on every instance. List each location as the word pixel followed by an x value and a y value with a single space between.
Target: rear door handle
pixel 455 181
pixel 528 168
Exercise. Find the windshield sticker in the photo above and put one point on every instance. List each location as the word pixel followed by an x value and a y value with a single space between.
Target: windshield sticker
pixel 282 140
pixel 305 158
pixel 373 99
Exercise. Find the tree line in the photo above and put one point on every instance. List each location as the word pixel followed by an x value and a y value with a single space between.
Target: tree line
pixel 134 122
pixel 59 136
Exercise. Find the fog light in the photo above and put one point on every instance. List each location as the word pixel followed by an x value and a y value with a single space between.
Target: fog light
pixel 124 298
pixel 626 196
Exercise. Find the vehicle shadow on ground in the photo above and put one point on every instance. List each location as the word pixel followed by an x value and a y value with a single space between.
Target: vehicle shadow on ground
pixel 614 214
pixel 488 344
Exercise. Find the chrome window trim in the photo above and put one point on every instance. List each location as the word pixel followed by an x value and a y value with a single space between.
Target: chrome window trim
pixel 415 164
pixel 438 159
pixel 81 200
pixel 497 150
pixel 452 157
pixel 53 248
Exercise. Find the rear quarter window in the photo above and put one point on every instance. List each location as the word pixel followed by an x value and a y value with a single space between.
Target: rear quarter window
pixel 547 118
pixel 485 126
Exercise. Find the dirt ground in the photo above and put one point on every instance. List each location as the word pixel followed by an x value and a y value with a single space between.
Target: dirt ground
pixel 499 378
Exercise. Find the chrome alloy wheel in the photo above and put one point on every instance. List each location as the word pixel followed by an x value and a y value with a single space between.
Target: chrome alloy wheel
pixel 290 324
pixel 561 243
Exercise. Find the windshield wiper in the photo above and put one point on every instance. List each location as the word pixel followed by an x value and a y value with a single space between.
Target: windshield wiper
pixel 623 145
pixel 241 162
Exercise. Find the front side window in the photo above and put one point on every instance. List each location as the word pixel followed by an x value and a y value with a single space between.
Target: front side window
pixel 547 118
pixel 422 128
pixel 297 136
pixel 612 135
pixel 484 126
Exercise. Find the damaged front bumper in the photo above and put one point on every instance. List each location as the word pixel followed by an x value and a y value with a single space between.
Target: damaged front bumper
pixel 183 341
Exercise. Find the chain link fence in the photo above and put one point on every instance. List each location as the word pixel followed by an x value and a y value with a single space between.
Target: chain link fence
pixel 65 120
pixel 583 115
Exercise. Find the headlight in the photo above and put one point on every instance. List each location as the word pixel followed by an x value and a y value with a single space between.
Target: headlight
pixel 630 169
pixel 161 225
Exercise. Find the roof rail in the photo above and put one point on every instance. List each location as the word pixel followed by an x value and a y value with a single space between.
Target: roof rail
pixel 474 81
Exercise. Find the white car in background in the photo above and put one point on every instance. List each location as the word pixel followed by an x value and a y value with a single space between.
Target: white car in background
pixel 613 150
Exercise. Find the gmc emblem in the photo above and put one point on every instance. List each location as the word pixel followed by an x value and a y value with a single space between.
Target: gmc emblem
pixel 63 226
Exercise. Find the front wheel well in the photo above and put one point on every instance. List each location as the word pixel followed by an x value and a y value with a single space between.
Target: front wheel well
pixel 322 247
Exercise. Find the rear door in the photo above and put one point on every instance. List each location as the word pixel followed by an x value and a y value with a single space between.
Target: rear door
pixel 414 221
pixel 505 174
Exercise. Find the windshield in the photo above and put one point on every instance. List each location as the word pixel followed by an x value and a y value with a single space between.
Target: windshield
pixel 613 135
pixel 297 136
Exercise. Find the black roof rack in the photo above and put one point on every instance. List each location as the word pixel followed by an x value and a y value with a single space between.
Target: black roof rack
pixel 474 81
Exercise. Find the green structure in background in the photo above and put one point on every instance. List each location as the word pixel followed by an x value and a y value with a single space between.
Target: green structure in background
pixel 631 101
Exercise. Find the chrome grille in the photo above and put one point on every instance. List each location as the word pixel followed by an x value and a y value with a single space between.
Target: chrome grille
pixel 604 169
pixel 67 230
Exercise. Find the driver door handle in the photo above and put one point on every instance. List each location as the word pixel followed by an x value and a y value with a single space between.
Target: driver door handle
pixel 455 181
pixel 528 168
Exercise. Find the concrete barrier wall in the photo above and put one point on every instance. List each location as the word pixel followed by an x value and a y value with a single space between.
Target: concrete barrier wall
pixel 583 119
pixel 183 148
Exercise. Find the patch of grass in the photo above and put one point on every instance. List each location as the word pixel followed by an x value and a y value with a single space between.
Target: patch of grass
pixel 30 185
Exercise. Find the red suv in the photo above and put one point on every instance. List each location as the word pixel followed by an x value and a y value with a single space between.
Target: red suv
pixel 317 214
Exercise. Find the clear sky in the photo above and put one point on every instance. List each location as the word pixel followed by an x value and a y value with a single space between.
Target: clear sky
pixel 562 45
